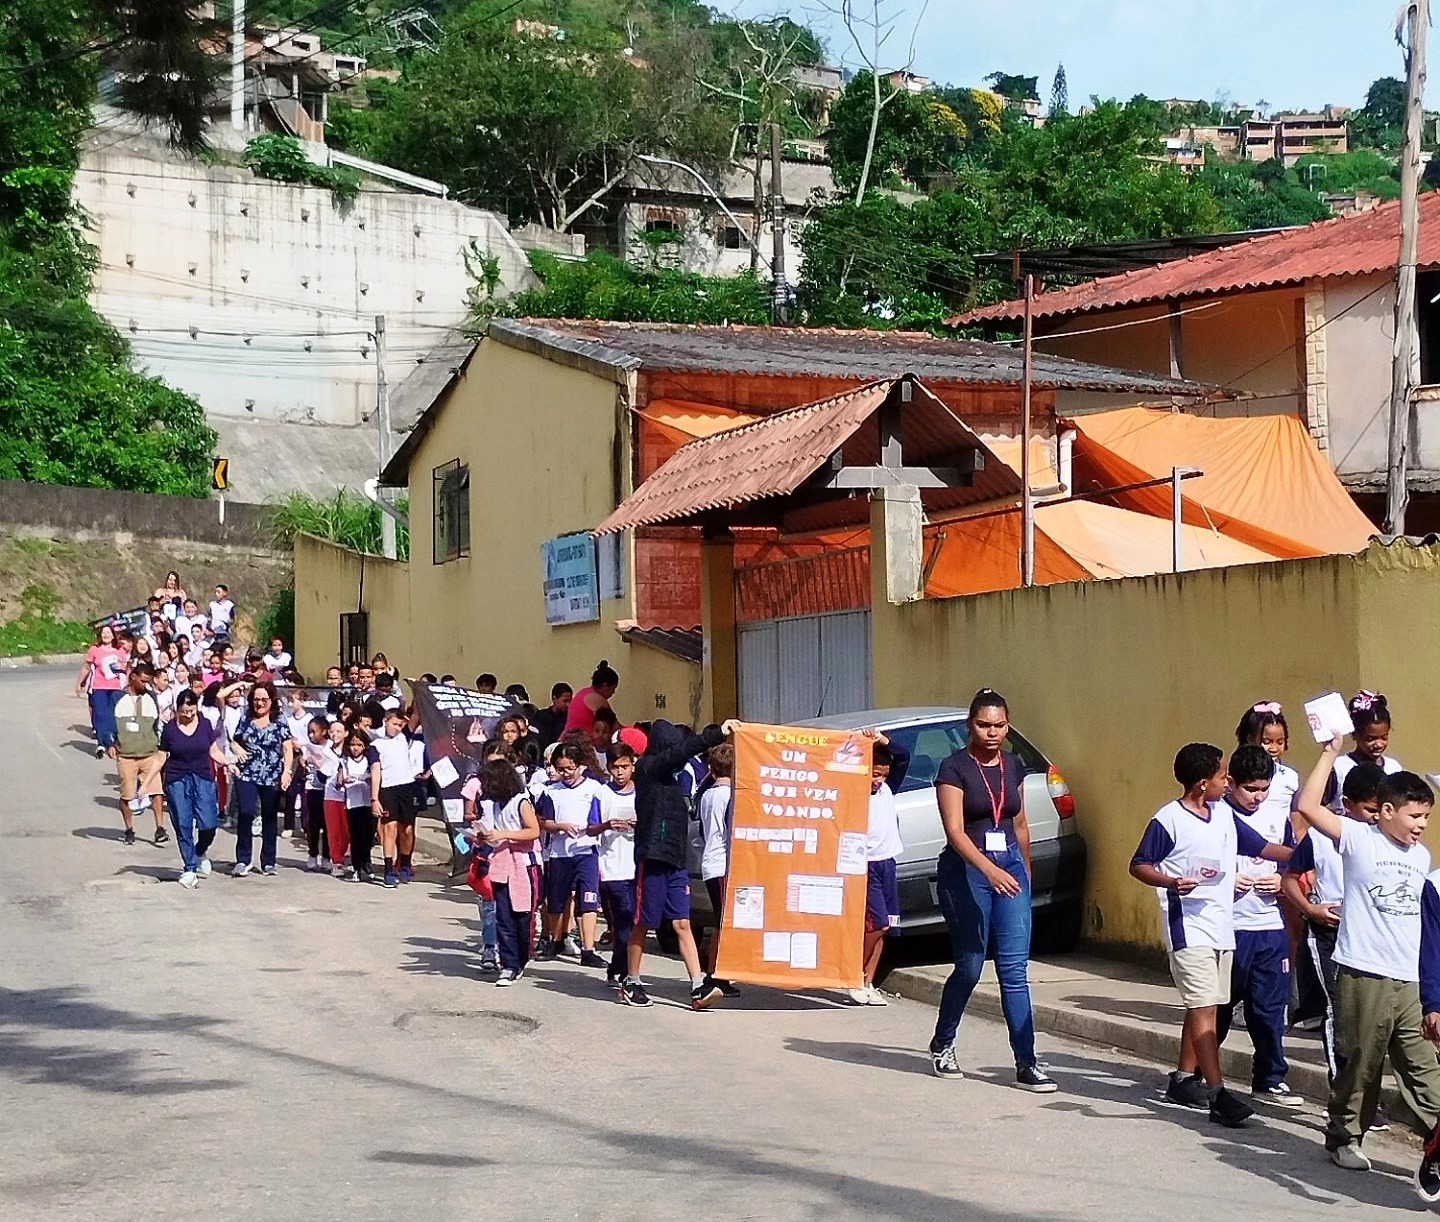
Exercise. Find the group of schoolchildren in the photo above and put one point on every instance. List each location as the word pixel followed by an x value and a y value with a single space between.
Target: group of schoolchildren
pixel 1250 866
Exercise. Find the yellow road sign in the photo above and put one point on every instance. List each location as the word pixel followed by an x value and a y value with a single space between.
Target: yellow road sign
pixel 220 475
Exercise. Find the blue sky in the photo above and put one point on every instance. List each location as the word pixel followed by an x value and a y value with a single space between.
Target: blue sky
pixel 1292 53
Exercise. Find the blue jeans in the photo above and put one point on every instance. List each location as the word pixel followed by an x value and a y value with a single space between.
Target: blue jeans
pixel 194 815
pixel 977 914
pixel 102 715
pixel 262 800
pixel 488 937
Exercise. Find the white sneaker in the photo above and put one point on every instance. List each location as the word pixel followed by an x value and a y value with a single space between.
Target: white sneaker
pixel 189 880
pixel 337 870
pixel 312 864
pixel 506 979
pixel 1351 1158
pixel 203 869
pixel 875 996
pixel 571 946
pixel 324 863
pixel 860 996
pixel 241 869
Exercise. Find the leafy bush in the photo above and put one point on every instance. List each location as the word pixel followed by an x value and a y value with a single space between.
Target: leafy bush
pixel 277 619
pixel 347 519
pixel 281 157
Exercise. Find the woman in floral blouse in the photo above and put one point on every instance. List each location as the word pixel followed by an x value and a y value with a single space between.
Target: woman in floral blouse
pixel 265 755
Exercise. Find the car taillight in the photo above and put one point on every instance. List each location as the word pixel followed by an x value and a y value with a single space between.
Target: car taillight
pixel 1060 793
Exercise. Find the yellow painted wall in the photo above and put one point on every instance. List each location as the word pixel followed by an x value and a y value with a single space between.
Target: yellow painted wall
pixel 1110 678
pixel 548 449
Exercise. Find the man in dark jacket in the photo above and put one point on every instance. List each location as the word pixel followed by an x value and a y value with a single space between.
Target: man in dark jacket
pixel 662 831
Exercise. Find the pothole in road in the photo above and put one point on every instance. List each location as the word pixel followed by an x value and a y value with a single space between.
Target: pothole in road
pixel 468 1023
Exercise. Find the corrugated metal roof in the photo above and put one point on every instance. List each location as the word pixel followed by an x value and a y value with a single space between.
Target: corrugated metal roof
pixel 1345 246
pixel 775 457
pixel 686 643
pixel 818 352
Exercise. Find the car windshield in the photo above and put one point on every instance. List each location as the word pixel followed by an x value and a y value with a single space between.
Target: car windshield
pixel 930 742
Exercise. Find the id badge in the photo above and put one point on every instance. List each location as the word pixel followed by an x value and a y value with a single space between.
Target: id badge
pixel 995 842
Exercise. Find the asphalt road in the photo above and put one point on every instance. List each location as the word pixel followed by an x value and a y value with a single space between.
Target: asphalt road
pixel 300 1047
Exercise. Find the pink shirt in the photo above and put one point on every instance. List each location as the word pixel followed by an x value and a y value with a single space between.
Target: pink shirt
pixel 581 716
pixel 107 672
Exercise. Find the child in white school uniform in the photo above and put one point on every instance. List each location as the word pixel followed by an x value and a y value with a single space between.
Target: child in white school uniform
pixel 617 859
pixel 716 813
pixel 1188 854
pixel 1370 713
pixel 1378 956
pixel 883 845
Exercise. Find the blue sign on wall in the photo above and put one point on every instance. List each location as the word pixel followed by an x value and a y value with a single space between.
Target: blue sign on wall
pixel 572 593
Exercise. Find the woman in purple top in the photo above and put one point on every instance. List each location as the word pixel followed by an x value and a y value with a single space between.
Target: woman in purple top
pixel 983 884
pixel 188 747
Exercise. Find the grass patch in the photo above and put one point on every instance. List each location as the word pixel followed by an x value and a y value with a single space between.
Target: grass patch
pixel 34 634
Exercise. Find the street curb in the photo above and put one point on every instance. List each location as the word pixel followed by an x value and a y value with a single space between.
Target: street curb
pixel 1154 1043
pixel 43 659
pixel 434 842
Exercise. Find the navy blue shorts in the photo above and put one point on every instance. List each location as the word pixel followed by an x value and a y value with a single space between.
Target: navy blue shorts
pixel 661 891
pixel 577 876
pixel 882 897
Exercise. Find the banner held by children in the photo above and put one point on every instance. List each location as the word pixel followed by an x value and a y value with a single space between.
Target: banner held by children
pixel 457 723
pixel 795 906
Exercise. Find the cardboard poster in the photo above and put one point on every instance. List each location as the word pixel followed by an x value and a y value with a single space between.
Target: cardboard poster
pixel 457 722
pixel 795 906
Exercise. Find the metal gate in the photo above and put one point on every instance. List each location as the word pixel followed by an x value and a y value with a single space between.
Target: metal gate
pixel 804 637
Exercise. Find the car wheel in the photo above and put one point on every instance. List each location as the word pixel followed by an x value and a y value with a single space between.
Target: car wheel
pixel 1057 930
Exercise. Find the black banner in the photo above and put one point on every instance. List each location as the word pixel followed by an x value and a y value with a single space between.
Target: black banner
pixel 457 722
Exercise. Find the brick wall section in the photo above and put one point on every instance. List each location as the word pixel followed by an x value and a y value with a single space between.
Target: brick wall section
pixel 1317 402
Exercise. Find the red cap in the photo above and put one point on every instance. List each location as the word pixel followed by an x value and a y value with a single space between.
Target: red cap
pixel 634 738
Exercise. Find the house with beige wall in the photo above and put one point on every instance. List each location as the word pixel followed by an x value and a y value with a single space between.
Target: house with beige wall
pixel 1299 321
pixel 547 425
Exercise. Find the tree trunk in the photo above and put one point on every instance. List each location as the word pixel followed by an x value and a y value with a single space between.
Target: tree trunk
pixel 870 143
pixel 759 197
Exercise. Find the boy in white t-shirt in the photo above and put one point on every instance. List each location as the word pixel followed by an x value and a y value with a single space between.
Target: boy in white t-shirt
pixel 617 858
pixel 1188 854
pixel 715 811
pixel 1260 974
pixel 889 763
pixel 1378 956
pixel 222 611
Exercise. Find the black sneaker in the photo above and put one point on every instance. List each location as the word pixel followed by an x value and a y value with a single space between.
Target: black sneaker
pixel 1188 1091
pixel 161 835
pixel 726 988
pixel 99 753
pixel 613 980
pixel 633 993
pixel 1033 1078
pixel 1427 1174
pixel 703 996
pixel 944 1063
pixel 588 958
pixel 547 952
pixel 129 835
pixel 1229 1110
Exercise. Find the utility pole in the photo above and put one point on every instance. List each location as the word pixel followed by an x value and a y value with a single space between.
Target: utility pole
pixel 1405 367
pixel 382 415
pixel 779 287
pixel 237 64
pixel 1027 498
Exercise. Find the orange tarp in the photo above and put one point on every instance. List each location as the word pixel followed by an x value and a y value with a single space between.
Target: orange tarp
pixel 1265 483
pixel 1074 541
pixel 670 423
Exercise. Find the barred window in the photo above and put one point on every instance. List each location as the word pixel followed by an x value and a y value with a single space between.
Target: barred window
pixel 452 511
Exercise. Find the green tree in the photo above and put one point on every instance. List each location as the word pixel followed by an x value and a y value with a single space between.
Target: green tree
pixel 918 136
pixel 73 409
pixel 1059 94
pixel 1016 88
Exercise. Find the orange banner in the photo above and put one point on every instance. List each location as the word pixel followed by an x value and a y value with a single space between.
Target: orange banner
pixel 795 904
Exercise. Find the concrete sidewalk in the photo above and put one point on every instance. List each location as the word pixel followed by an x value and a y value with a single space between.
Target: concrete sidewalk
pixel 1121 1006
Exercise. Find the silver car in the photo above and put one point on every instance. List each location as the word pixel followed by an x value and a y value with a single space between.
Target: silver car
pixel 1057 850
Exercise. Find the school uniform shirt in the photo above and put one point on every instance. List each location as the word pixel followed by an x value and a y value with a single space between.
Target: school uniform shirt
pixel 1380 931
pixel 354 776
pixel 1317 852
pixel 882 841
pixel 334 781
pixel 1335 788
pixel 275 663
pixel 389 702
pixel 322 761
pixel 581 804
pixel 1180 843
pixel 222 615
pixel 492 817
pixel 1271 822
pixel 617 849
pixel 715 831
pixel 392 753
pixel 1284 785
pixel 298 727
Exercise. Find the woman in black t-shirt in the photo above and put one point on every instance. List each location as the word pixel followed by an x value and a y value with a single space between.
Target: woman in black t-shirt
pixel 983 883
